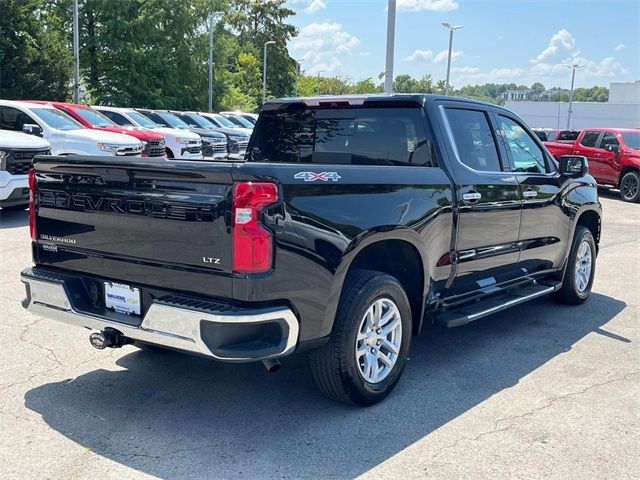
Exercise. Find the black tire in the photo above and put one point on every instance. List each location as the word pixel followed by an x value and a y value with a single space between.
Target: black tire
pixel 334 366
pixel 570 293
pixel 630 187
pixel 168 152
pixel 16 208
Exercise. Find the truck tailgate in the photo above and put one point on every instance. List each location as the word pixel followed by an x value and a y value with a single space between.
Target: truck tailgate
pixel 146 221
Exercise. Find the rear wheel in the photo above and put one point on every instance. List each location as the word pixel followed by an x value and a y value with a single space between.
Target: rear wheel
pixel 580 269
pixel 365 357
pixel 630 187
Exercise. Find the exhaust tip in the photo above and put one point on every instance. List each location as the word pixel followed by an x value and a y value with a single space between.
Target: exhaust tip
pixel 98 340
pixel 272 366
pixel 107 338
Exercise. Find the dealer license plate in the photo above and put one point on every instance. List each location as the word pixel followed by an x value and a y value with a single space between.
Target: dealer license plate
pixel 122 298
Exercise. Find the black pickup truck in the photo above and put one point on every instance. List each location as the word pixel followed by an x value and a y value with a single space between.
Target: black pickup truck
pixel 354 222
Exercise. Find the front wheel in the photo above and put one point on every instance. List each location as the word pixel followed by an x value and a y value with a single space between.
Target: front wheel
pixel 580 269
pixel 630 187
pixel 365 357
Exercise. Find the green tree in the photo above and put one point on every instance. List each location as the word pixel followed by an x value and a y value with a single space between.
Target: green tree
pixel 259 21
pixel 243 85
pixel 406 84
pixel 366 86
pixel 34 59
pixel 593 94
pixel 538 87
pixel 150 53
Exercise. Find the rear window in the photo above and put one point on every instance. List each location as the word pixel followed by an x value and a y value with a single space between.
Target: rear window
pixel 358 136
pixel 572 136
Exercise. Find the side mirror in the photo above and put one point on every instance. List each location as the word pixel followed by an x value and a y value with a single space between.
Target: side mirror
pixel 612 148
pixel 573 165
pixel 32 129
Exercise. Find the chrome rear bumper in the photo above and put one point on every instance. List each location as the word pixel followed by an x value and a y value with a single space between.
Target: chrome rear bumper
pixel 177 327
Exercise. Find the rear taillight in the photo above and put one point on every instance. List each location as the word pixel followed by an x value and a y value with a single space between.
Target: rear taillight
pixel 32 204
pixel 252 243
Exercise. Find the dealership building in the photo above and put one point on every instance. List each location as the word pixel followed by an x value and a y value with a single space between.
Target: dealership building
pixel 622 110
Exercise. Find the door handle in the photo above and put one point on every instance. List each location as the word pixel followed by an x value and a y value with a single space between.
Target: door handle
pixel 529 193
pixel 472 196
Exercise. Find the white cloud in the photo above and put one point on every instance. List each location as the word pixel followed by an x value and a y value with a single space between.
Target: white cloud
pixel 465 70
pixel 365 54
pixel 322 45
pixel 562 50
pixel 560 40
pixel 430 57
pixel 315 5
pixel 496 75
pixel 308 6
pixel 619 47
pixel 433 5
pixel 607 67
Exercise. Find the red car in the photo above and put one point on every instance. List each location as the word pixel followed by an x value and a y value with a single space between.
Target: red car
pixel 613 154
pixel 154 144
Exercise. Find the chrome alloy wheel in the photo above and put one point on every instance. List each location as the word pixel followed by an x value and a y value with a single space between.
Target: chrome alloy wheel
pixel 379 340
pixel 583 267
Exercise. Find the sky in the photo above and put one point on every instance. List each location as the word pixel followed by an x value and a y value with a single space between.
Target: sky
pixel 502 41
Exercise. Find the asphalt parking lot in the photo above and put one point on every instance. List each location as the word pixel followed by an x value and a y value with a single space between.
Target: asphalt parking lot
pixel 537 391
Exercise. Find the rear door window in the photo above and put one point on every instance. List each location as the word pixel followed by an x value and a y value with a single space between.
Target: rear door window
pixel 357 136
pixel 474 140
pixel 589 139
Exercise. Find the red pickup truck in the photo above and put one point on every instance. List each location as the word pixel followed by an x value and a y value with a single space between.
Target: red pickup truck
pixel 613 154
pixel 559 142
pixel 554 135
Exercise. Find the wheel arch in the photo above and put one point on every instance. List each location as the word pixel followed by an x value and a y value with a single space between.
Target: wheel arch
pixel 397 253
pixel 591 219
pixel 626 169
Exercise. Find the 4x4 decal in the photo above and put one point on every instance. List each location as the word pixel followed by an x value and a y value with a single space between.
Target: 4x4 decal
pixel 317 176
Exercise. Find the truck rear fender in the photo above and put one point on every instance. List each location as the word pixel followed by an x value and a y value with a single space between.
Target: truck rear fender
pixel 396 252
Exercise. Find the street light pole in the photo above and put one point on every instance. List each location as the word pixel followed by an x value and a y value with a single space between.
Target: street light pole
pixel 573 78
pixel 264 70
pixel 318 82
pixel 211 64
pixel 391 36
pixel 451 29
pixel 298 65
pixel 76 54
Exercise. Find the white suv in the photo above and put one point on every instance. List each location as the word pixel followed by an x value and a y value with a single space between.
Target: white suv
pixel 16 154
pixel 66 136
pixel 179 143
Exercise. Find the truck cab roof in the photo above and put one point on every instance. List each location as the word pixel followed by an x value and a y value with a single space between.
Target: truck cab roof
pixel 378 98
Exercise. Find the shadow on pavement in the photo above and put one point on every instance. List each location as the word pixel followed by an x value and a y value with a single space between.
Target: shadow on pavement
pixel 175 416
pixel 14 219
